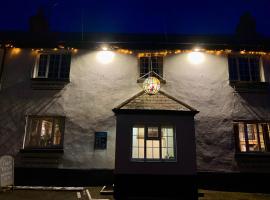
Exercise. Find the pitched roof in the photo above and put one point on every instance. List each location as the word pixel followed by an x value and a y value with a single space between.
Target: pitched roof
pixel 159 102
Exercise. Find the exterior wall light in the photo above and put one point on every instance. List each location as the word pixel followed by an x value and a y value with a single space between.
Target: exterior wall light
pixel 151 85
pixel 196 57
pixel 105 56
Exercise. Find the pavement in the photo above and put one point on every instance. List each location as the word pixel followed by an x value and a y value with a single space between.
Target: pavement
pixel 89 193
pixel 93 193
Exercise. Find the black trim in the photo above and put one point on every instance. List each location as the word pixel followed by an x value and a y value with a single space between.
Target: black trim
pixel 162 112
pixel 48 83
pixel 249 86
pixel 36 150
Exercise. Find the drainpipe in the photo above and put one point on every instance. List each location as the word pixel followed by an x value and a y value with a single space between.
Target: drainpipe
pixel 2 64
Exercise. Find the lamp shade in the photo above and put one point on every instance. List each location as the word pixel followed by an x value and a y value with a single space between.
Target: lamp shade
pixel 151 85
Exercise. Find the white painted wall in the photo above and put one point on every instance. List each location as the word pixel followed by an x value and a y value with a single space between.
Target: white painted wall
pixel 95 89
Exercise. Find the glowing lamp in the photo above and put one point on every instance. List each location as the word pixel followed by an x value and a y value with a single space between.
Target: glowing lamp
pixel 196 57
pixel 105 57
pixel 151 85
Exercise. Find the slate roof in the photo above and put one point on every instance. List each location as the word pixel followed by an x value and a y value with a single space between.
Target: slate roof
pixel 159 102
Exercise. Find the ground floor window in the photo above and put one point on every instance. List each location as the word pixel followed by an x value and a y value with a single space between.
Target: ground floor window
pixel 252 136
pixel 44 132
pixel 153 142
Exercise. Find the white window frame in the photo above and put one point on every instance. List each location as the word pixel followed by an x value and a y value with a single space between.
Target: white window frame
pixel 160 126
pixel 36 66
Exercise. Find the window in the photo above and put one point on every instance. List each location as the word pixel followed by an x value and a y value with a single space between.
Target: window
pixel 52 66
pixel 153 143
pixel 100 140
pixel 44 132
pixel 244 68
pixel 155 61
pixel 252 137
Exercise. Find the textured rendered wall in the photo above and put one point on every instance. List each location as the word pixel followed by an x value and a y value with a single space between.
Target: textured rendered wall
pixel 97 88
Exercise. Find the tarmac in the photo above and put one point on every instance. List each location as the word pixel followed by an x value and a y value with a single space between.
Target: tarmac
pixel 93 193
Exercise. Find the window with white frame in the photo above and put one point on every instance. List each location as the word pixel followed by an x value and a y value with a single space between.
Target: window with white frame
pixel 252 136
pixel 44 132
pixel 52 66
pixel 153 143
pixel 244 68
pixel 151 62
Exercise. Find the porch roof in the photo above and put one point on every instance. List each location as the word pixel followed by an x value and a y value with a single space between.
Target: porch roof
pixel 142 102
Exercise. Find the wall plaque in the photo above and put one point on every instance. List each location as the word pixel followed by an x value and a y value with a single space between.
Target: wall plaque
pixel 6 171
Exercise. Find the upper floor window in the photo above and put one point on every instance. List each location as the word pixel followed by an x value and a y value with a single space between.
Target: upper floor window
pixel 152 62
pixel 252 136
pixel 244 68
pixel 52 66
pixel 44 132
pixel 153 143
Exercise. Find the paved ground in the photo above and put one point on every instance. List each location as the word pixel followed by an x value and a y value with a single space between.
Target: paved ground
pixel 94 193
pixel 217 195
pixel 53 195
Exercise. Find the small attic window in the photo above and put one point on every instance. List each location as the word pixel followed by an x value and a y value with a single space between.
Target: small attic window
pixel 147 61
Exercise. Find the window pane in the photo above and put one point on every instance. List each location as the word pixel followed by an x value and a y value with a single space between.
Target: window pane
pixel 141 152
pixel 233 68
pixel 244 69
pixel 141 142
pixel 156 153
pixel 65 66
pixel 149 153
pixel 156 62
pixel 153 132
pixel 167 143
pixel 242 137
pixel 261 137
pixel 135 152
pixel 252 137
pixel 254 69
pixel 54 66
pixel 34 132
pixel 46 132
pixel 42 65
pixel 57 133
pixel 135 141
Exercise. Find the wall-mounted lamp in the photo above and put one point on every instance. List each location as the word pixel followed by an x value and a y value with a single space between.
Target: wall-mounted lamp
pixel 196 56
pixel 105 56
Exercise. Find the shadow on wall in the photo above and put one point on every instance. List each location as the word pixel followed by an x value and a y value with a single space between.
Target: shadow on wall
pixel 16 102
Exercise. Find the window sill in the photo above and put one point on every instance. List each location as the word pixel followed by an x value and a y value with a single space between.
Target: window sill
pixel 48 83
pixel 40 150
pixel 249 86
pixel 153 161
pixel 251 155
pixel 141 80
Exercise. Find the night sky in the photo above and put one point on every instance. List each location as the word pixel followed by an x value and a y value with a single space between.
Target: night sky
pixel 140 16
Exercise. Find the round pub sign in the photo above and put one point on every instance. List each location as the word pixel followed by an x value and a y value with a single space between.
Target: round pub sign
pixel 6 171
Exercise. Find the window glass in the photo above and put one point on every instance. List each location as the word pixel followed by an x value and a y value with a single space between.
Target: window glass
pixel 253 137
pixel 244 68
pixel 156 62
pixel 157 145
pixel 44 132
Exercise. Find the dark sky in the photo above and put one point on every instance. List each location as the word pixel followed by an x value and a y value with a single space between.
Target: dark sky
pixel 140 16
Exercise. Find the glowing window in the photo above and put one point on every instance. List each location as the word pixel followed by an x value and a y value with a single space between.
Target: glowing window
pixel 252 137
pixel 153 143
pixel 44 132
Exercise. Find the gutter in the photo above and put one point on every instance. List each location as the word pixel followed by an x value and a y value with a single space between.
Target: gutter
pixel 2 65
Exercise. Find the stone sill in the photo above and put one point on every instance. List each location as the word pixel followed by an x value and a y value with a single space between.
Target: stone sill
pixel 48 84
pixel 252 155
pixel 142 80
pixel 249 86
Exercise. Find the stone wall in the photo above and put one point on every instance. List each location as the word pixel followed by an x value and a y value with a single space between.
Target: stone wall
pixel 96 88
